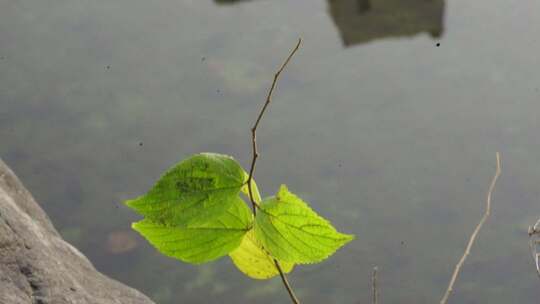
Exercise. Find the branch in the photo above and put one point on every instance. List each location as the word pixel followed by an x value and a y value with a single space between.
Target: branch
pixel 374 291
pixel 534 233
pixel 256 155
pixel 474 234
pixel 294 299
pixel 259 117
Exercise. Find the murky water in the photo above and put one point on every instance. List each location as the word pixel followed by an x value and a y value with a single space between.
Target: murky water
pixel 387 122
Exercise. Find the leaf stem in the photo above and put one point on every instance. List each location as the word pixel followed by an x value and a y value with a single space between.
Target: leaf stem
pixel 286 283
pixel 256 155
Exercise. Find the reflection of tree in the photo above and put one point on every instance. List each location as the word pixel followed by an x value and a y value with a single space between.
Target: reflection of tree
pixel 361 21
pixel 228 1
pixel 363 6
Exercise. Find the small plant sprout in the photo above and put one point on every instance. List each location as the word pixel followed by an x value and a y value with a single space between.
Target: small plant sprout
pixel 196 213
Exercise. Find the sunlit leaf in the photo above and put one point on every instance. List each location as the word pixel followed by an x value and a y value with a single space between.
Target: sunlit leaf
pixel 292 232
pixel 201 242
pixel 251 259
pixel 195 190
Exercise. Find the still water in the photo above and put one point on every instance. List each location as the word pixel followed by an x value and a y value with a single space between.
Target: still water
pixel 387 122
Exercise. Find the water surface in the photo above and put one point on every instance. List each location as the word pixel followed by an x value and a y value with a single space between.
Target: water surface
pixel 387 122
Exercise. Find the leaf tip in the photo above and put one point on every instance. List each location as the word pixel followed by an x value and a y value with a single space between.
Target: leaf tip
pixel 135 226
pixel 282 192
pixel 127 203
pixel 131 203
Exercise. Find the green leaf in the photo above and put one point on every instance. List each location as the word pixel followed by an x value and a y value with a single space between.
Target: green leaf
pixel 201 242
pixel 195 190
pixel 251 259
pixel 292 232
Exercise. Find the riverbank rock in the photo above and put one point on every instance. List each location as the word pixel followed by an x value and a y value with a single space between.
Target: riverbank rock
pixel 37 266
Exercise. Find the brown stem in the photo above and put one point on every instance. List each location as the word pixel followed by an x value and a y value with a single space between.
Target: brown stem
pixel 256 155
pixel 474 234
pixel 286 283
pixel 374 289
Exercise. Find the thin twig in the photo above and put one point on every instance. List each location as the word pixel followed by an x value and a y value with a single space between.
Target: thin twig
pixel 286 283
pixel 534 229
pixel 374 290
pixel 474 234
pixel 534 233
pixel 259 117
pixel 256 155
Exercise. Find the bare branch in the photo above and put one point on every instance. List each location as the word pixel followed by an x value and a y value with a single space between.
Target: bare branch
pixel 256 155
pixel 535 229
pixel 259 117
pixel 474 234
pixel 374 290
pixel 534 241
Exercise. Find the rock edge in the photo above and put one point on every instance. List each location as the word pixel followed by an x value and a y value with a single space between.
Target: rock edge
pixel 37 266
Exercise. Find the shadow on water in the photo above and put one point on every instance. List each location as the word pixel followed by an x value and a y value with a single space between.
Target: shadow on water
pixel 362 21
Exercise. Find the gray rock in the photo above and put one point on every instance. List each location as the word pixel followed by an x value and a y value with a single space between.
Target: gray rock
pixel 37 266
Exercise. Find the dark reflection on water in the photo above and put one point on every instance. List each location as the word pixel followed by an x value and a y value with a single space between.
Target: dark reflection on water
pixel 361 21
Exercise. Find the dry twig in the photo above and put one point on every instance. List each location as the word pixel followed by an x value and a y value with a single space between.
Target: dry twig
pixel 474 234
pixel 374 289
pixel 256 155
pixel 534 242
